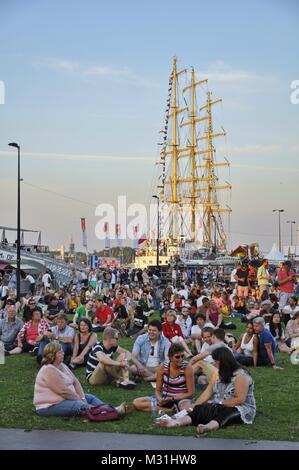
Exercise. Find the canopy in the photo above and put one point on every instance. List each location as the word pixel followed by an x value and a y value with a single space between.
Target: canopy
pixel 274 254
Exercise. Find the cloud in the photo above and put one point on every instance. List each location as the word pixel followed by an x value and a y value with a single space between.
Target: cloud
pixel 250 149
pixel 120 74
pixel 240 79
pixel 80 157
pixel 263 168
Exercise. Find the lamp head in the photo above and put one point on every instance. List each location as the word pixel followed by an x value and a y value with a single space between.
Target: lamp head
pixel 13 144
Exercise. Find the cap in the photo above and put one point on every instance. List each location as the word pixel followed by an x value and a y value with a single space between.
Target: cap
pixel 266 302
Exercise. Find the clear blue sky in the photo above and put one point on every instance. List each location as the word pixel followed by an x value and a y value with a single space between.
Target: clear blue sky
pixel 87 80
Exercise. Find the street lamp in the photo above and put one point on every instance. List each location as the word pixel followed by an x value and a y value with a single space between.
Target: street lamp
pixel 291 222
pixel 158 227
pixel 279 232
pixel 13 144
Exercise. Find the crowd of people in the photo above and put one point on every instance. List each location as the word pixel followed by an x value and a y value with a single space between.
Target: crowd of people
pixel 182 338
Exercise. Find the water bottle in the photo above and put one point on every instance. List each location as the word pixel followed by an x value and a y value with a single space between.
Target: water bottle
pixel 154 406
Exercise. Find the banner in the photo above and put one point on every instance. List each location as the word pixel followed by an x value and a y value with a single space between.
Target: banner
pixel 117 234
pixel 107 239
pixel 84 235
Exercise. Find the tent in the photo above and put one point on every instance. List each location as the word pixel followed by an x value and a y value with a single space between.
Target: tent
pixel 274 256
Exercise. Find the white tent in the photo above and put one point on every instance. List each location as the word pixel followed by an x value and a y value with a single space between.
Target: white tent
pixel 274 254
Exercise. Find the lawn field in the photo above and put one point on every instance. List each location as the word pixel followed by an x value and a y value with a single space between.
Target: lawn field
pixel 276 392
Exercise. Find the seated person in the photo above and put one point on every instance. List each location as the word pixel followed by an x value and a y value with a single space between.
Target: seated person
pixel 265 355
pixel 140 322
pixel 149 351
pixel 196 330
pixel 276 329
pixel 31 333
pixel 84 311
pixel 247 346
pixel 232 390
pixel 185 322
pixel 172 331
pixel 29 308
pixel 163 310
pixel 175 384
pixel 62 333
pixel 55 307
pixel 102 369
pixel 10 327
pixel 73 302
pixel 146 304
pixel 291 309
pixel 83 342
pixel 121 317
pixel 198 363
pixel 57 392
pixel 214 315
pixel 103 316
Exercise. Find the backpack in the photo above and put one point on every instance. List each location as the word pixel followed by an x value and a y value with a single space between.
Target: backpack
pixel 102 412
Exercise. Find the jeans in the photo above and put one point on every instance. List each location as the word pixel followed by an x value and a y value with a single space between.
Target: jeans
pixel 70 407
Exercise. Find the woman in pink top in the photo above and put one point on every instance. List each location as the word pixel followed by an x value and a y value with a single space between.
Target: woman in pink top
pixel 57 392
pixel 31 334
pixel 214 315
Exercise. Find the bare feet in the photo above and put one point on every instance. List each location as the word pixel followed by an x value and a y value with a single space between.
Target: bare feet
pixel 201 428
pixel 168 423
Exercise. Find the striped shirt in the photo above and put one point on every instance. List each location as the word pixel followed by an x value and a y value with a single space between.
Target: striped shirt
pixel 173 386
pixel 93 361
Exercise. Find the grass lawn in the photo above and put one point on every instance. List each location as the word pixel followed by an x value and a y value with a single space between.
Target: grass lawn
pixel 276 393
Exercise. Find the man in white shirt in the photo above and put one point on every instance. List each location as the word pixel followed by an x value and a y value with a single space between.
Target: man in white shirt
pixel 32 283
pixel 46 280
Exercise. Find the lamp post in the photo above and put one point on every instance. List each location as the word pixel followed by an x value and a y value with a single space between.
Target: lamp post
pixel 279 231
pixel 13 144
pixel 291 222
pixel 158 228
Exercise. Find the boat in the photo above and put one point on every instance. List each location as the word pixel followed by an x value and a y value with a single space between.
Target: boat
pixel 189 221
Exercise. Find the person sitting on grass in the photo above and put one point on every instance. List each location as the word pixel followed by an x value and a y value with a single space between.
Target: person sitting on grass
pixel 84 311
pixel 83 342
pixel 232 391
pixel 247 346
pixel 276 329
pixel 175 384
pixel 31 334
pixel 173 332
pixel 265 355
pixel 149 351
pixel 102 369
pixel 57 392
pixel 63 333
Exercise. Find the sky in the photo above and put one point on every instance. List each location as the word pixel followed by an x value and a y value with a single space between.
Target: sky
pixel 85 88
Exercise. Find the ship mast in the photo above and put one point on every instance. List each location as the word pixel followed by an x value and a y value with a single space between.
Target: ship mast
pixel 210 203
pixel 189 181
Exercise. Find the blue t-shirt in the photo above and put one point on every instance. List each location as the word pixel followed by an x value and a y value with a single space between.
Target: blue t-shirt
pixel 265 337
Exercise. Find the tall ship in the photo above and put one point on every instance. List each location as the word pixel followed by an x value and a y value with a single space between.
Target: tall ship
pixel 192 211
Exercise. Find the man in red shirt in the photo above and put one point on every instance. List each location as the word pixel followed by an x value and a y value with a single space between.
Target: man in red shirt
pixel 286 279
pixel 103 315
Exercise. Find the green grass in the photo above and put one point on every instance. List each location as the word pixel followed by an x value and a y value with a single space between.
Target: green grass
pixel 276 393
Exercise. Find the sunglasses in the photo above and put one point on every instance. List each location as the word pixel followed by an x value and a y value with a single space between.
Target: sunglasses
pixel 152 350
pixel 179 356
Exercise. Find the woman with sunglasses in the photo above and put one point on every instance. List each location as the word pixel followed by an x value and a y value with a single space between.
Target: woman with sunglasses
pixel 175 384
pixel 228 399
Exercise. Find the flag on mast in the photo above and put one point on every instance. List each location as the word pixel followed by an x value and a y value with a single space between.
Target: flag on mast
pixel 84 235
pixel 118 233
pixel 107 239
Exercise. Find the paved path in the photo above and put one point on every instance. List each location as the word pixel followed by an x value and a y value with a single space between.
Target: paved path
pixel 19 439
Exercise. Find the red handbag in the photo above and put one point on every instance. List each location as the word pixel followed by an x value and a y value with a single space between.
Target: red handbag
pixel 102 412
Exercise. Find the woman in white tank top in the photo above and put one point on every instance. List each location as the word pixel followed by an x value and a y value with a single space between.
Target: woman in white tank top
pixel 246 346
